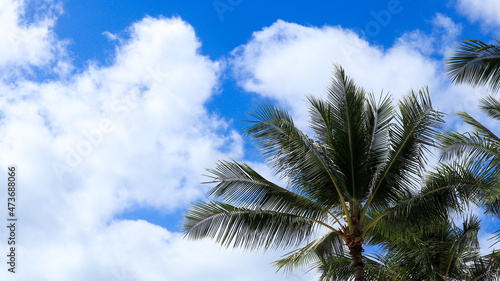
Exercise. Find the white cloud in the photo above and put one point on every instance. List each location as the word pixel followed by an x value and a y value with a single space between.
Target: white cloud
pixel 160 138
pixel 27 43
pixel 287 61
pixel 440 41
pixel 487 12
pixel 138 250
pixel 91 144
pixel 135 133
pixel 111 36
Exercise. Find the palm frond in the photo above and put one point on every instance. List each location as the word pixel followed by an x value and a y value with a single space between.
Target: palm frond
pixel 467 234
pixel 483 269
pixel 476 63
pixel 349 144
pixel 429 249
pixel 378 121
pixel 450 187
pixel 469 145
pixel 247 228
pixel 492 203
pixel 339 268
pixel 326 245
pixel 293 155
pixel 458 183
pixel 465 247
pixel 491 106
pixel 479 128
pixel 238 184
pixel 487 268
pixel 414 130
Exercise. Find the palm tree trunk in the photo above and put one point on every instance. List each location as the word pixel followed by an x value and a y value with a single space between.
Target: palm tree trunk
pixel 357 262
pixel 354 241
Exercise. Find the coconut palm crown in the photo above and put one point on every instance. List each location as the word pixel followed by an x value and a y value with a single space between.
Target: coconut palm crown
pixel 365 159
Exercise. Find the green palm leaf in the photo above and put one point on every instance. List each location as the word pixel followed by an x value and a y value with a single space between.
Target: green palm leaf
pixel 297 157
pixel 339 268
pixel 248 228
pixel 378 120
pixel 473 145
pixel 491 106
pixel 241 185
pixel 326 245
pixel 476 63
pixel 414 130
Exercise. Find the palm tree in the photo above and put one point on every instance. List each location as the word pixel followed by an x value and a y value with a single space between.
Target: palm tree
pixel 472 175
pixel 439 251
pixel 477 157
pixel 476 63
pixel 364 160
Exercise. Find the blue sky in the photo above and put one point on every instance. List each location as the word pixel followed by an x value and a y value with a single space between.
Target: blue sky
pixel 113 109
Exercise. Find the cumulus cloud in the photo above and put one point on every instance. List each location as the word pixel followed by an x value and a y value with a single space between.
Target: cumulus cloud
pixel 286 61
pixel 95 142
pixel 27 42
pixel 138 250
pixel 487 12
pixel 105 139
pixel 105 129
pixel 440 41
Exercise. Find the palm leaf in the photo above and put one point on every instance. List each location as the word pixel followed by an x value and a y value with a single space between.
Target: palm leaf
pixel 430 250
pixel 296 157
pixel 414 130
pixel 475 63
pixel 247 228
pixel 479 128
pixel 378 122
pixel 339 268
pixel 468 145
pixel 326 245
pixel 240 185
pixel 349 145
pixel 491 106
